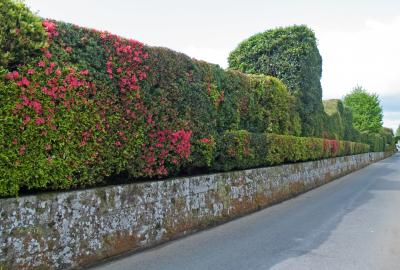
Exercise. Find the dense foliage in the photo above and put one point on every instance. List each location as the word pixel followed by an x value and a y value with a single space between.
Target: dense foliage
pixel 339 121
pixel 367 111
pixel 290 54
pixel 92 105
pixel 388 138
pixel 21 34
pixel 80 106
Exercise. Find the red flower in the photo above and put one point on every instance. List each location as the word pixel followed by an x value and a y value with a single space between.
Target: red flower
pixel 21 150
pixel 25 101
pixel 25 81
pixel 205 140
pixel 41 64
pixel 37 106
pixel 47 54
pixel 50 28
pixel 118 143
pixel 85 72
pixel 39 121
pixel 31 71
pixel 12 75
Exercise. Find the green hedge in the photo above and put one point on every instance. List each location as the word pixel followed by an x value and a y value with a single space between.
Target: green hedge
pixel 82 106
pixel 375 140
pixel 241 149
pixel 338 122
pixel 93 105
pixel 290 54
pixel 388 134
pixel 382 141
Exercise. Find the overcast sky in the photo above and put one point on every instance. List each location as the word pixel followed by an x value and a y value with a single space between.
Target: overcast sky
pixel 359 40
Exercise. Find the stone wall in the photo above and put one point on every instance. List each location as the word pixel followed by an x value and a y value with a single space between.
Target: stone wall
pixel 72 229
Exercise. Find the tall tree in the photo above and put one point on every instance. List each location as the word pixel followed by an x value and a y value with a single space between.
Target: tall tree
pixel 367 110
pixel 398 132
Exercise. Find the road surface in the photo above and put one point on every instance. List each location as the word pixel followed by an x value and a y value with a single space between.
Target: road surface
pixel 350 223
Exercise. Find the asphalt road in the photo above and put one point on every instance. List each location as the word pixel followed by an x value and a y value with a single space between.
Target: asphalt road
pixel 350 223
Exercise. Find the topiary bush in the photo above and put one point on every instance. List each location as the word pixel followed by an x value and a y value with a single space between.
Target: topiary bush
pixel 290 54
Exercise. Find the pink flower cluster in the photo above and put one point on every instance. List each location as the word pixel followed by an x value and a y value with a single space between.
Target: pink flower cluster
pixel 167 147
pixel 206 140
pixel 50 28
pixel 125 61
pixel 62 88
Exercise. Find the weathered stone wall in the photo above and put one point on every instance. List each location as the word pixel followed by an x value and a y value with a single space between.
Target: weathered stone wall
pixel 71 229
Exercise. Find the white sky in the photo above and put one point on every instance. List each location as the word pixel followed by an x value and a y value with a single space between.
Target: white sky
pixel 359 40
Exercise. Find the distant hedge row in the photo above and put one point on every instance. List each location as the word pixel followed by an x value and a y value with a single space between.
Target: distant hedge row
pixel 78 105
pixel 338 121
pixel 242 149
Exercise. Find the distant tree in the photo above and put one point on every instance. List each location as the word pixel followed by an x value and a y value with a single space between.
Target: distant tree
pixel 367 110
pixel 398 132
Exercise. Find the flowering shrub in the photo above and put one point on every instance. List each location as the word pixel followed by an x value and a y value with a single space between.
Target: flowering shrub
pixel 166 149
pixel 47 123
pixel 67 126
